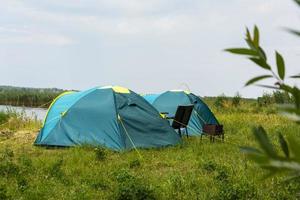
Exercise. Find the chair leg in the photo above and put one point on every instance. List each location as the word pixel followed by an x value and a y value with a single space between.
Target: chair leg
pixel 187 134
pixel 179 131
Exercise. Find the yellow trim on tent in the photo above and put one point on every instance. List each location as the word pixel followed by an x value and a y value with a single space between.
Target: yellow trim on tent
pixel 53 102
pixel 120 89
pixel 117 89
pixel 164 116
pixel 185 91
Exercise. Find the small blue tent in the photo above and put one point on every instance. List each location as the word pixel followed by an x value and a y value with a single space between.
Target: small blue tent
pixel 170 100
pixel 114 117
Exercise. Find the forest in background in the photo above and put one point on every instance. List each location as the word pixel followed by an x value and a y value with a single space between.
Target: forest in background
pixel 42 97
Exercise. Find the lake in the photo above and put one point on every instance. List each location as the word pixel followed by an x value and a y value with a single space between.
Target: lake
pixel 39 113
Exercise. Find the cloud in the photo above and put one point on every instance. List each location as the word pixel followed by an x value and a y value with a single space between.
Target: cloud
pixel 146 39
pixel 27 36
pixel 130 18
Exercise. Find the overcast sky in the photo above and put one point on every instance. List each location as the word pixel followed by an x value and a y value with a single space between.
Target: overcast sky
pixel 146 45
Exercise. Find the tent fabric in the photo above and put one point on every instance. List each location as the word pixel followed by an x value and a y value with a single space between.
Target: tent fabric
pixel 114 117
pixel 150 97
pixel 201 115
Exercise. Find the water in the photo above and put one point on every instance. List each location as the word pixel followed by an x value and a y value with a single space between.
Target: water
pixel 39 113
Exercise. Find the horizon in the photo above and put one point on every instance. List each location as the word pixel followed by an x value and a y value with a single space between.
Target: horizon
pixel 76 90
pixel 149 47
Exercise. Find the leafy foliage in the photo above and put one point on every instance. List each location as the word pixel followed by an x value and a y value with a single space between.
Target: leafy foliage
pixel 267 156
pixel 220 101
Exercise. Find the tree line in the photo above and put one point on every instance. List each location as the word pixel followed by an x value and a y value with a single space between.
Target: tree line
pixel 29 97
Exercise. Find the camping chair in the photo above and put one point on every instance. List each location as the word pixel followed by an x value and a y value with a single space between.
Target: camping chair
pixel 182 118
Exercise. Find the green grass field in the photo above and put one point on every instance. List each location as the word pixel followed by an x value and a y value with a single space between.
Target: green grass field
pixel 194 170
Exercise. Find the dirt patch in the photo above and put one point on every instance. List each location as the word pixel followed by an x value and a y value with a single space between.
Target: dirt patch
pixel 21 137
pixel 25 136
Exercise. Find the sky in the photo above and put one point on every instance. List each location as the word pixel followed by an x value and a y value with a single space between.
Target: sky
pixel 147 46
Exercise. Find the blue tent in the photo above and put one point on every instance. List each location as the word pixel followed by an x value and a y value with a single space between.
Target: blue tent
pixel 114 117
pixel 170 100
pixel 150 97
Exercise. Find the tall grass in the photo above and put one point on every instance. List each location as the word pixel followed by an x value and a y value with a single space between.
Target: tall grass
pixel 197 169
pixel 12 120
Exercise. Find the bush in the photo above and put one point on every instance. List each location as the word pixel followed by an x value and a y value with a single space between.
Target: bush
pixel 130 187
pixel 220 101
pixel 236 100
pixel 265 100
pixel 282 97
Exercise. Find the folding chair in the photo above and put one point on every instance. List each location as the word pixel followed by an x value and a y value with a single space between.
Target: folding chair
pixel 182 118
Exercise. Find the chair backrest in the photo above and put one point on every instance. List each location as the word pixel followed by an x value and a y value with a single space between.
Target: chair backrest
pixel 182 116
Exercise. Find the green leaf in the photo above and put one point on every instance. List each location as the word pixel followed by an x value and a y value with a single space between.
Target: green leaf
pixel 242 51
pixel 248 35
pixel 268 86
pixel 286 88
pixel 289 108
pixel 269 174
pixel 294 91
pixel 290 111
pixel 260 159
pixel 295 76
pixel 296 95
pixel 285 165
pixel 280 65
pixel 253 80
pixel 263 140
pixel 297 1
pixel 256 37
pixel 284 145
pixel 260 62
pixel 251 44
pixel 292 117
pixel 262 53
pixel 293 175
pixel 295 32
pixel 294 147
pixel 250 150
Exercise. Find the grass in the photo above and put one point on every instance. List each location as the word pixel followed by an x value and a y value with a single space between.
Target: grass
pixel 194 170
